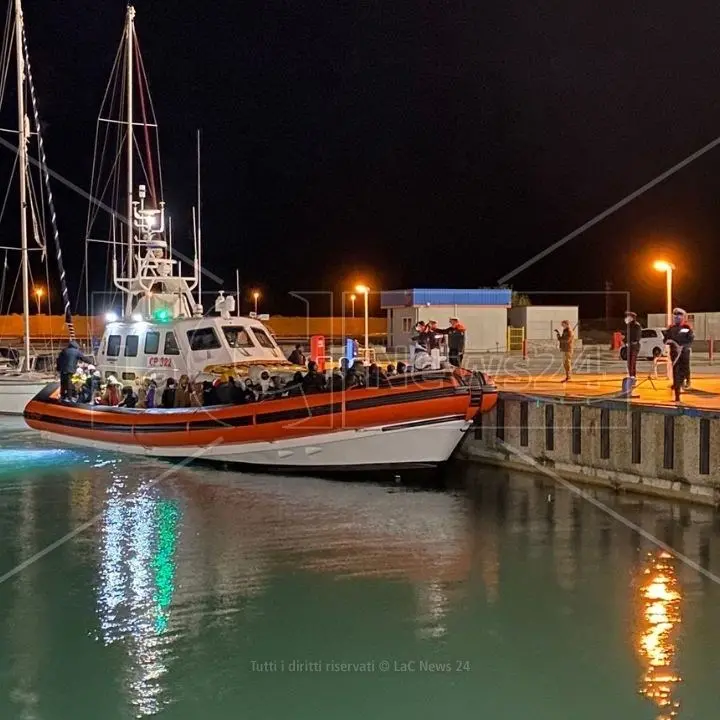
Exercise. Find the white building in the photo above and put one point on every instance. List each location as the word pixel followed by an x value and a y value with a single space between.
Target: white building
pixel 706 326
pixel 541 321
pixel 483 313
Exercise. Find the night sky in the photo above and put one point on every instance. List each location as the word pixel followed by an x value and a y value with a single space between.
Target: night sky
pixel 411 143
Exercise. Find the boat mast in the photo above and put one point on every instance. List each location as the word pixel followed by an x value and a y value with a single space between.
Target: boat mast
pixel 23 128
pixel 130 32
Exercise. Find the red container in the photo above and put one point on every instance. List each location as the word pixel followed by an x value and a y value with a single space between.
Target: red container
pixel 317 351
pixel 617 341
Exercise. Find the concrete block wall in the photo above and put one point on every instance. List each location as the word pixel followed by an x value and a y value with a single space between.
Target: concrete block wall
pixel 672 452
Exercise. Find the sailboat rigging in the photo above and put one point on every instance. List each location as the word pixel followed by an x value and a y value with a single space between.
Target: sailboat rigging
pixel 18 387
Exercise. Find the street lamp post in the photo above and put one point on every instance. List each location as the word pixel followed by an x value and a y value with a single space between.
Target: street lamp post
pixel 365 290
pixel 256 295
pixel 667 268
pixel 39 292
pixel 352 301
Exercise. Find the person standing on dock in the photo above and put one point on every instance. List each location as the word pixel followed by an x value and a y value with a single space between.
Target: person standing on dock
pixel 679 336
pixel 566 341
pixel 67 363
pixel 632 342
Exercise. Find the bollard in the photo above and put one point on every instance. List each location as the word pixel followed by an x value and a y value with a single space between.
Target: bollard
pixel 524 349
pixel 711 350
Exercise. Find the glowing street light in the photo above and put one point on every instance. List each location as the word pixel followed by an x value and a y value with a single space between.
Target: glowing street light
pixel 667 268
pixel 256 295
pixel 353 297
pixel 39 292
pixel 365 290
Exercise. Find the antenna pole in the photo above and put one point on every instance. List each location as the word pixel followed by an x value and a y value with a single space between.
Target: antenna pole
pixel 130 34
pixel 199 225
pixel 237 290
pixel 22 174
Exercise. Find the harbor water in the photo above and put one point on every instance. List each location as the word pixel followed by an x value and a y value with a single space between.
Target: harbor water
pixel 134 589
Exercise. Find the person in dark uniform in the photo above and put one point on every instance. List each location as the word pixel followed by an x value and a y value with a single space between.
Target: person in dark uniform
pixel 679 336
pixel 455 342
pixel 67 363
pixel 632 342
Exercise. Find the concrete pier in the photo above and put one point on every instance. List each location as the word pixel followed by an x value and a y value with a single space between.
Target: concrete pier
pixel 585 432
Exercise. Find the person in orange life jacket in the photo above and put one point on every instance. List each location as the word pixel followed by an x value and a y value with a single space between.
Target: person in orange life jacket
pixel 455 341
pixel 566 342
pixel 679 336
pixel 632 341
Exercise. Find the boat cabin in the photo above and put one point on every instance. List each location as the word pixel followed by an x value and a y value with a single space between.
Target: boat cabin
pixel 137 348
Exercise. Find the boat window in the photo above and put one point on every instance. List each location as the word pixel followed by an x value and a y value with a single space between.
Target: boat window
pixel 237 337
pixel 171 346
pixel 128 376
pixel 203 339
pixel 131 345
pixel 113 348
pixel 152 342
pixel 263 338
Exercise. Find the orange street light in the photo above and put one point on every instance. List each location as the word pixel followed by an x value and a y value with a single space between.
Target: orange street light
pixel 39 292
pixel 667 268
pixel 353 297
pixel 365 290
pixel 256 295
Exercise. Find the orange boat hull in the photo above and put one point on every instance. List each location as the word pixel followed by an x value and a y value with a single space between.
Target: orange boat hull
pixel 286 432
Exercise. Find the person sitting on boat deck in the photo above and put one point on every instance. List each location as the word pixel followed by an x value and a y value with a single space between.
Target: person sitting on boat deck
pixel 313 381
pixel 129 399
pixel 297 357
pixel 267 386
pixel 67 363
pixel 91 388
pixel 401 368
pixel 151 393
pixel 390 370
pixel 210 396
pixel 167 399
pixel 295 386
pixel 376 377
pixel 182 392
pixel 196 395
pixel 111 396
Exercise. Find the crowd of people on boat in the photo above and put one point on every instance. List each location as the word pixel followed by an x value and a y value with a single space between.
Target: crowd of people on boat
pixel 87 386
pixel 81 381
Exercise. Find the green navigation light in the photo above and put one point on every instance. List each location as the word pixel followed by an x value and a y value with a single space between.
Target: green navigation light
pixel 162 315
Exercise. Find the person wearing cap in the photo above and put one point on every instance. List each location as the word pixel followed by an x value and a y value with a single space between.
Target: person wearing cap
pixel 632 341
pixel 455 341
pixel 679 336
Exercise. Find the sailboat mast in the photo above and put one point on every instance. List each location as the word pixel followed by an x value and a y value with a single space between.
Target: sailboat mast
pixel 130 32
pixel 23 128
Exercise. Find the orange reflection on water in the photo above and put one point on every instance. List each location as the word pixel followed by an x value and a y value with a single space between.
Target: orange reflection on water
pixel 660 598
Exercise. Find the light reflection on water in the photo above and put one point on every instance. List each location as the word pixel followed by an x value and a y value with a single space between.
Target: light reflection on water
pixel 137 571
pixel 660 599
pixel 190 580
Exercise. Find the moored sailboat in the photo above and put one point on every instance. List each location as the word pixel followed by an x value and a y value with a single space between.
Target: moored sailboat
pixel 21 384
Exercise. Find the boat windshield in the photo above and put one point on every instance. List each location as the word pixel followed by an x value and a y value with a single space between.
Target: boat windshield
pixel 263 338
pixel 237 337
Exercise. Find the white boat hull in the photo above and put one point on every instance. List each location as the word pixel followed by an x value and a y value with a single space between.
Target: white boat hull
pixel 405 444
pixel 17 392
